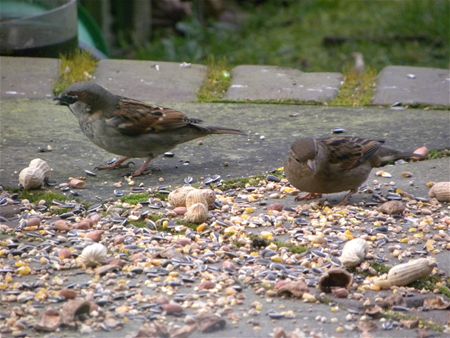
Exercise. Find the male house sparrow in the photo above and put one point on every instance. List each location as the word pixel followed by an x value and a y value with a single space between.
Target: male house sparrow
pixel 336 163
pixel 128 127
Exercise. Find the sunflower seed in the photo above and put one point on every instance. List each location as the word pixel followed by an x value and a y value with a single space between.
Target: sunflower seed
pixel 118 193
pixel 212 179
pixel 188 180
pixel 89 173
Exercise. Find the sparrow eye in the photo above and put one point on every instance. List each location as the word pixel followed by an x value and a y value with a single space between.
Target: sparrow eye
pixel 67 99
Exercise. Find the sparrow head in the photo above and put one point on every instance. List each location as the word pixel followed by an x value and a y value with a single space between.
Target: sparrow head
pixel 88 93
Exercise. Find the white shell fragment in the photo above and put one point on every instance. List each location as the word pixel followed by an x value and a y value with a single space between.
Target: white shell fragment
pixel 383 173
pixel 440 191
pixel 406 273
pixel 354 252
pixel 93 255
pixel 34 176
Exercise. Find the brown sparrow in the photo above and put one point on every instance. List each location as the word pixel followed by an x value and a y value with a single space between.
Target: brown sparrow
pixel 337 163
pixel 128 127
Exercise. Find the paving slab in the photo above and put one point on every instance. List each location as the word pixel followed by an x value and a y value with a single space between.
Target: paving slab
pixel 276 83
pixel 413 85
pixel 23 77
pixel 154 81
pixel 28 125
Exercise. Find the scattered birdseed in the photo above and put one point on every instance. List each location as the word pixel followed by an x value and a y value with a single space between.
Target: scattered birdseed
pixel 146 264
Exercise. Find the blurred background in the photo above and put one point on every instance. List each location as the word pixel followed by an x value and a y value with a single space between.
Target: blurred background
pixel 312 35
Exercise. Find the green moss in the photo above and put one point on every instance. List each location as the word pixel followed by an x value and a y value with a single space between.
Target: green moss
pixel 258 243
pixel 161 196
pixel 380 267
pixel 60 211
pixel 424 324
pixel 279 172
pixel 135 198
pixel 241 182
pixel 445 290
pixel 77 67
pixel 38 195
pixel 217 81
pixel 142 197
pixel 295 249
pixel 435 154
pixel 357 89
pixel 430 283
pixel 427 283
pixel 139 223
pixel 192 226
pixel 155 217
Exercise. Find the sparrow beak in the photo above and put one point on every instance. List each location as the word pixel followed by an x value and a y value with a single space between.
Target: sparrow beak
pixel 65 100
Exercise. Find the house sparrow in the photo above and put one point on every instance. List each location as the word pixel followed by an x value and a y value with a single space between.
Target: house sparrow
pixel 128 127
pixel 337 163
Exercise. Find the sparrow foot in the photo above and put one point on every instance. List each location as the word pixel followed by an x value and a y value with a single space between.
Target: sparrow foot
pixel 307 197
pixel 346 198
pixel 142 169
pixel 115 165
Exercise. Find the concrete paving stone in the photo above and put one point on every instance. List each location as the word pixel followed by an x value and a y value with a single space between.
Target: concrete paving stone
pixel 30 125
pixel 23 77
pixel 413 85
pixel 276 83
pixel 152 81
pixel 443 261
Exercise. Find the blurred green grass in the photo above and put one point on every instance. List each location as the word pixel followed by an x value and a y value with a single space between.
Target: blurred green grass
pixel 317 35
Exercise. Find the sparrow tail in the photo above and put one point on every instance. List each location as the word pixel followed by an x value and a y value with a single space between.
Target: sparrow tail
pixel 386 155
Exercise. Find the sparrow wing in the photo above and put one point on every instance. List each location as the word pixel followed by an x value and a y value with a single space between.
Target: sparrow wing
pixel 350 152
pixel 133 117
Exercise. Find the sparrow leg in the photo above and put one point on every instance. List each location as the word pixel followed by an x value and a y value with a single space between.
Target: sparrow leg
pixel 309 196
pixel 346 197
pixel 114 165
pixel 142 168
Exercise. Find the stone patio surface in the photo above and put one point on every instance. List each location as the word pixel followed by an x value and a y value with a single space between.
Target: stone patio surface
pixel 28 125
pixel 276 83
pixel 413 85
pixel 154 81
pixel 31 78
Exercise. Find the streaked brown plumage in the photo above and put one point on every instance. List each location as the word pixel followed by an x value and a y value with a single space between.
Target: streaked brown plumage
pixel 131 128
pixel 337 163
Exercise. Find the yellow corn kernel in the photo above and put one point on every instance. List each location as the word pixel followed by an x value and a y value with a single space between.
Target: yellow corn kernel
pixel 348 234
pixel 24 270
pixel 202 227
